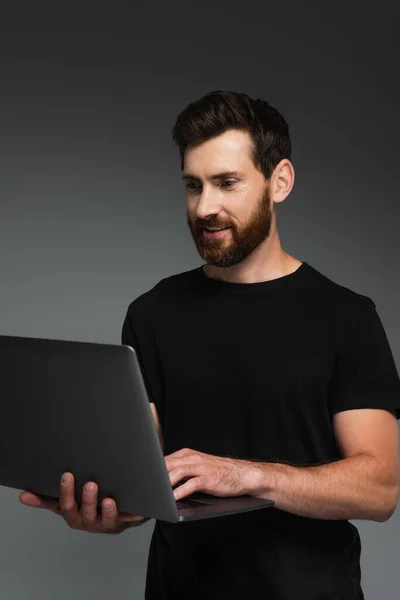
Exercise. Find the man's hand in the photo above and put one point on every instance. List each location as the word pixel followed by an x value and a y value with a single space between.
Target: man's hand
pixel 86 518
pixel 216 475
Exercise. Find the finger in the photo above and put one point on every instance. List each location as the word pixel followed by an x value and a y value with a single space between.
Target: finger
pixel 89 504
pixel 109 515
pixel 37 501
pixel 196 484
pixel 129 518
pixel 177 474
pixel 68 507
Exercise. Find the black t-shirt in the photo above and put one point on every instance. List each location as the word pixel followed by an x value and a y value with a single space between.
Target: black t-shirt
pixel 256 371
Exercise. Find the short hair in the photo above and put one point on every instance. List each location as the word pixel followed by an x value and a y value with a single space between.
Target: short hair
pixel 219 111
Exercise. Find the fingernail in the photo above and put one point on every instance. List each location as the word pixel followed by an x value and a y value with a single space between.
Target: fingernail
pixel 66 479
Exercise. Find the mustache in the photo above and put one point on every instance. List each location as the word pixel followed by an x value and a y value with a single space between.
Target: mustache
pixel 203 225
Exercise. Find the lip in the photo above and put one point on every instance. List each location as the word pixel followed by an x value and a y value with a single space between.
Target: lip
pixel 211 235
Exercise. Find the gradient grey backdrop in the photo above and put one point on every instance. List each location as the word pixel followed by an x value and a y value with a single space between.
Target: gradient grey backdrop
pixel 93 210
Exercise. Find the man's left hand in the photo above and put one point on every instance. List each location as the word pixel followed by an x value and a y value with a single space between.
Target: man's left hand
pixel 216 475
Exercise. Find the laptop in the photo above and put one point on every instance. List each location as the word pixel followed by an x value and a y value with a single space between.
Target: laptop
pixel 83 407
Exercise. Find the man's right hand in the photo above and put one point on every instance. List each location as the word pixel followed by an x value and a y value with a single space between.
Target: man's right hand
pixel 87 517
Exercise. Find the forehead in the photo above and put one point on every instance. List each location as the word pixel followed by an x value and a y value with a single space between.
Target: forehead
pixel 224 153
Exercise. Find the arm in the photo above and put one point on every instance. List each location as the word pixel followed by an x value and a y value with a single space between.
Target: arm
pixel 363 485
pixel 157 424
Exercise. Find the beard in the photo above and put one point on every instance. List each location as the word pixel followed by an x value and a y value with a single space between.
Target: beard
pixel 236 244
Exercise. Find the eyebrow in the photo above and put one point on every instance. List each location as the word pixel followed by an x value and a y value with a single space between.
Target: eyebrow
pixel 216 176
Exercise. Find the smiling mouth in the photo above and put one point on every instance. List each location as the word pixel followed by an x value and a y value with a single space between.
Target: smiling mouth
pixel 215 229
pixel 210 234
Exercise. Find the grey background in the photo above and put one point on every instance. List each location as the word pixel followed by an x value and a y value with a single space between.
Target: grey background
pixel 93 211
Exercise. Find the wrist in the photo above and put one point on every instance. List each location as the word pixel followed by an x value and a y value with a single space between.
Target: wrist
pixel 258 479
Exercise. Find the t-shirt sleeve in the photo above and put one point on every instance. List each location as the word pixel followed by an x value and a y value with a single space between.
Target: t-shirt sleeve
pixel 365 371
pixel 128 333
pixel 136 334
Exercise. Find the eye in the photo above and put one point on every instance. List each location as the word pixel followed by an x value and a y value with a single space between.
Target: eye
pixel 230 181
pixel 195 186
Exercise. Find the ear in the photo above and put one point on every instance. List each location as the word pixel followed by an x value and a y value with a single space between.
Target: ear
pixel 282 181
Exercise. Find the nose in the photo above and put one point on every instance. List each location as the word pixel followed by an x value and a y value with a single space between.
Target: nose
pixel 208 204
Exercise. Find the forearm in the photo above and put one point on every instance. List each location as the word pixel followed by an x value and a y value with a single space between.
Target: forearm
pixel 351 488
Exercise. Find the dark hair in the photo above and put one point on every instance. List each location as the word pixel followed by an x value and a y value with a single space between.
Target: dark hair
pixel 219 110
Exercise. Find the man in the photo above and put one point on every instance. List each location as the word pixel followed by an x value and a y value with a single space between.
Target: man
pixel 265 377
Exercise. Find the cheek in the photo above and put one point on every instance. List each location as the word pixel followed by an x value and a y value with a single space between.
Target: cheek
pixel 190 214
pixel 238 218
pixel 191 210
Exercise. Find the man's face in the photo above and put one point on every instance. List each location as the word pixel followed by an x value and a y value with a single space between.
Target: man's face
pixel 239 202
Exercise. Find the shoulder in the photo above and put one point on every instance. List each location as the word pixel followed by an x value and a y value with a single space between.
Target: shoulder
pixel 337 298
pixel 167 289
